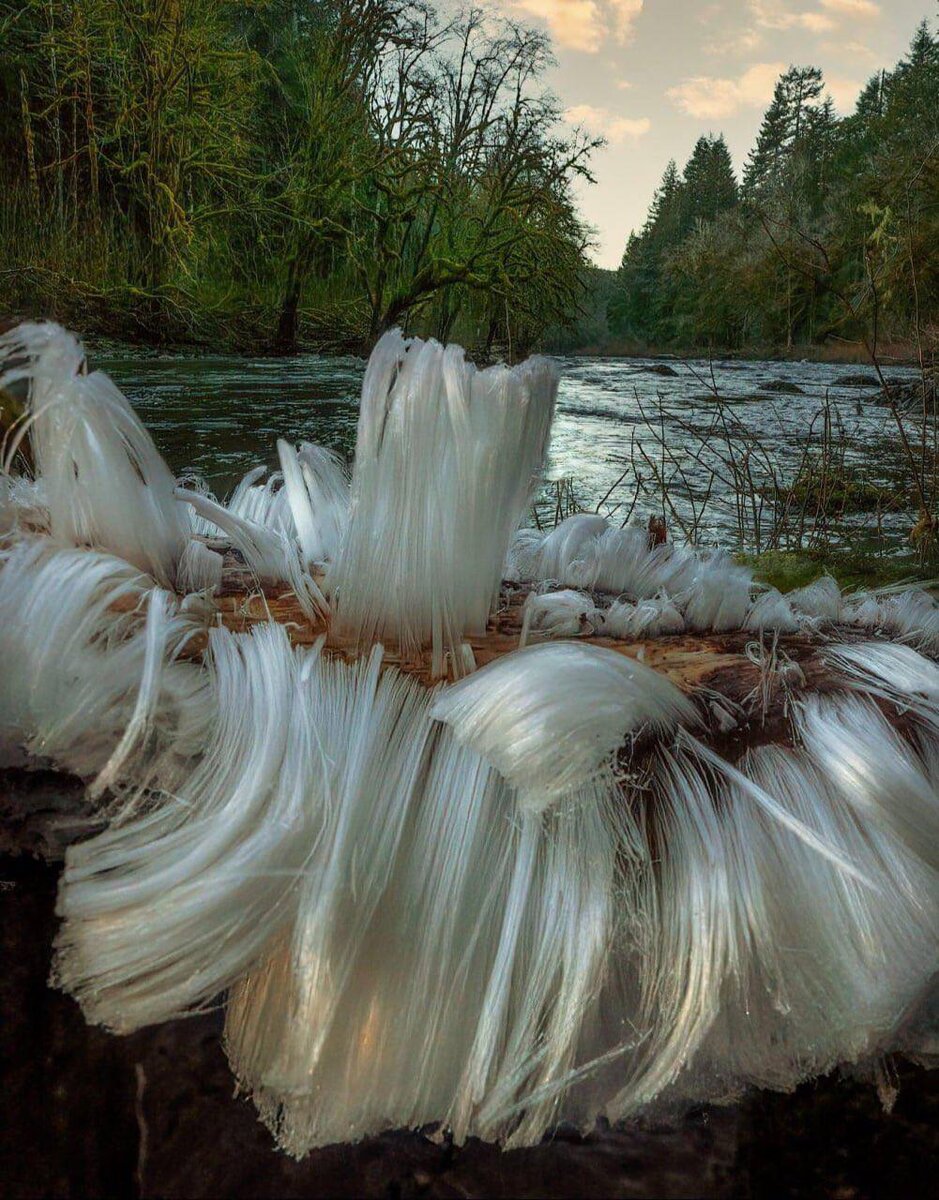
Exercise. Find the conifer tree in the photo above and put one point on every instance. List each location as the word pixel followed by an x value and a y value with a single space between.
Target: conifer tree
pixel 838 230
pixel 664 223
pixel 710 183
pixel 763 162
pixel 789 118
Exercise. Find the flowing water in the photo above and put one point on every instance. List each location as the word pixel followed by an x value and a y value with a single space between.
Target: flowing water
pixel 219 416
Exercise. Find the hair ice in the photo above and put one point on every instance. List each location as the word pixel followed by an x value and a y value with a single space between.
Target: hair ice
pixel 445 462
pixel 516 713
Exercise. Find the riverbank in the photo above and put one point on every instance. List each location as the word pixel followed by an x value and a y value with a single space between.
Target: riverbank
pixel 894 354
pixel 127 319
pixel 124 321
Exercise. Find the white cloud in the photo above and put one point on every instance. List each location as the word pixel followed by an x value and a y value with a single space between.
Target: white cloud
pixel 584 24
pixel 607 124
pixel 708 98
pixel 853 8
pixel 774 14
pixel 709 13
pixel 816 22
pixel 756 84
pixel 624 14
pixel 704 97
pixel 781 15
pixel 735 45
pixel 624 84
pixel 858 49
pixel 574 24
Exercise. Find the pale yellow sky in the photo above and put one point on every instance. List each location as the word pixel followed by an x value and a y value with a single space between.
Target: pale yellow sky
pixel 653 75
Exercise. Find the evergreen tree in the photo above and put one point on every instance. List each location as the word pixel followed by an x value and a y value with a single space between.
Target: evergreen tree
pixel 665 221
pixel 838 232
pixel 872 101
pixel 710 183
pixel 788 120
pixel 913 95
pixel 639 300
pixel 924 51
pixel 765 157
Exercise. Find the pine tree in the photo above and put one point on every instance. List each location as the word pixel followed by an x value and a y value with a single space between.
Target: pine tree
pixel 722 180
pixel 832 204
pixel 790 115
pixel 771 142
pixel 635 308
pixel 913 98
pixel 710 184
pixel 872 101
pixel 805 86
pixel 924 51
pixel 813 155
pixel 664 223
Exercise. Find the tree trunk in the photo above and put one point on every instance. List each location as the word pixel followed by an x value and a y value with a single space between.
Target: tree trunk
pixel 288 323
pixel 491 336
pixel 30 143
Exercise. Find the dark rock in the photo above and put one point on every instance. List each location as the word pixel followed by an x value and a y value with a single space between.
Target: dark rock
pixel 907 395
pixel 861 381
pixel 783 387
pixel 660 369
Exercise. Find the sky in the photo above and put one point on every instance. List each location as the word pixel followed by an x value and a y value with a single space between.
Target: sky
pixel 652 75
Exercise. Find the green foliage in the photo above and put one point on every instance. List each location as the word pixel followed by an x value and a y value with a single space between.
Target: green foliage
pixel 283 171
pixel 833 236
pixel 853 570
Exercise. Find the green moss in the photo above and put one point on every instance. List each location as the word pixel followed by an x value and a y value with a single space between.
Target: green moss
pixel 787 570
pixel 842 491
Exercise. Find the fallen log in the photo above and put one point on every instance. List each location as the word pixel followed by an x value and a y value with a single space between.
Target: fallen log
pixel 685 839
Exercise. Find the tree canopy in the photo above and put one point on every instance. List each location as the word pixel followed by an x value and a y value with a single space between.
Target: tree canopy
pixel 286 170
pixel 832 233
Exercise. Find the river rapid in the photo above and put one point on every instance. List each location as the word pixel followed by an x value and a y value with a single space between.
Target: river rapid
pixel 676 423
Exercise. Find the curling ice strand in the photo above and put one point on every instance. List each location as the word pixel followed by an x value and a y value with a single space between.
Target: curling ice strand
pixel 463 822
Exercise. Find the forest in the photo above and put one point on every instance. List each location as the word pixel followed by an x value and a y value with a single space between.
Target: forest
pixel 830 237
pixel 272 175
pixel 277 174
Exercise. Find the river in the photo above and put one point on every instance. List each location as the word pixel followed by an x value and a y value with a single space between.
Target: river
pixel 218 416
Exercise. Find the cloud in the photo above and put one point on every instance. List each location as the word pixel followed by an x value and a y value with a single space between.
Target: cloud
pixel 815 16
pixel 735 45
pixel 574 24
pixel 779 14
pixel 624 14
pixel 705 97
pixel 865 9
pixel 624 84
pixel 773 14
pixel 858 49
pixel 756 84
pixel 709 13
pixel 584 25
pixel 603 122
pixel 708 98
pixel 816 22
